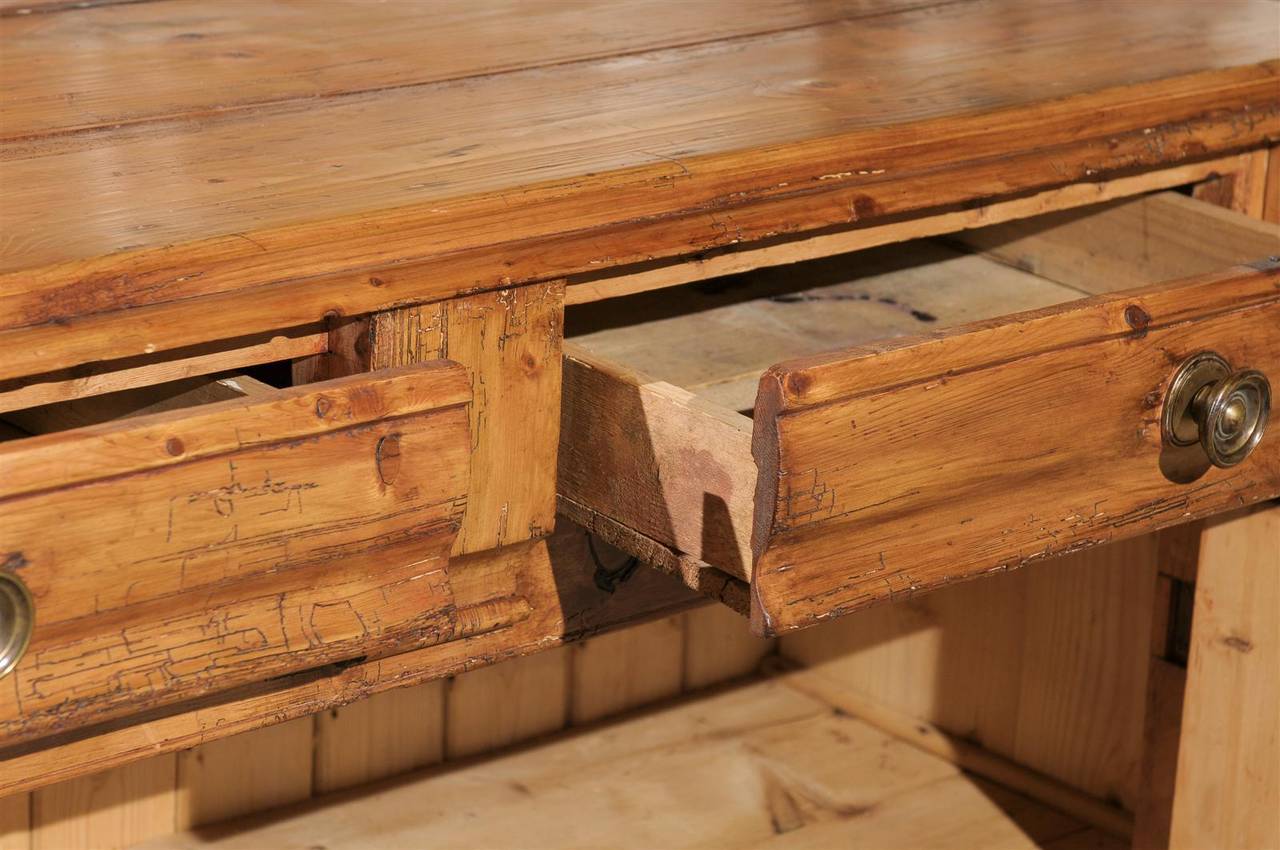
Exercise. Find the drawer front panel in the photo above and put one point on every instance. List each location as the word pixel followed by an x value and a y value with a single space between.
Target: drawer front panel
pixel 174 555
pixel 902 468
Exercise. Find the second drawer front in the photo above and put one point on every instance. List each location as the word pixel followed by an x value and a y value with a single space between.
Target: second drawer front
pixel 887 472
pixel 174 555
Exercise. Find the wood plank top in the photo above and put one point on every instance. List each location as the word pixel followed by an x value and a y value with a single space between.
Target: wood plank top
pixel 172 172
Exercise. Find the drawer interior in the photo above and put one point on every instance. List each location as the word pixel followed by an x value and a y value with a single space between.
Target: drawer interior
pixel 716 338
pixel 659 452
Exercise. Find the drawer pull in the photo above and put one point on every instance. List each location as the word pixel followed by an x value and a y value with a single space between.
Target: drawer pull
pixel 17 617
pixel 1225 411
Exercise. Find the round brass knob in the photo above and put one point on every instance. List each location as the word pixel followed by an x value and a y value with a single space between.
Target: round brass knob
pixel 17 619
pixel 1225 411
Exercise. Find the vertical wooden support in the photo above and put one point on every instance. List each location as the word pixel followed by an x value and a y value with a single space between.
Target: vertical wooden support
pixel 245 773
pixel 509 341
pixel 1228 776
pixel 106 811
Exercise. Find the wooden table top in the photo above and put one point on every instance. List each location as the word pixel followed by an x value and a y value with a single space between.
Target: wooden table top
pixel 177 171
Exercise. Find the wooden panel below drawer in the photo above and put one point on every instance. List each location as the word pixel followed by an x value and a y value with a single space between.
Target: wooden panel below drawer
pixel 896 468
pixel 187 552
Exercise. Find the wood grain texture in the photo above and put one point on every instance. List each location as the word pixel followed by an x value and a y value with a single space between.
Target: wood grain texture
pixel 252 551
pixel 665 463
pixel 962 753
pixel 830 433
pixel 512 601
pixel 1130 243
pixel 627 668
pixel 244 774
pixel 509 343
pixel 719 647
pixel 762 766
pixel 185 58
pixel 736 259
pixel 393 211
pixel 651 444
pixel 15 822
pixel 1242 189
pixel 110 811
pixel 1171 609
pixel 384 735
pixel 96 379
pixel 1229 759
pixel 1271 193
pixel 715 340
pixel 1043 667
pixel 505 704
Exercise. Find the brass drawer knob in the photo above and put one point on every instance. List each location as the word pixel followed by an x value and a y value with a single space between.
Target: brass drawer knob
pixel 1225 411
pixel 17 618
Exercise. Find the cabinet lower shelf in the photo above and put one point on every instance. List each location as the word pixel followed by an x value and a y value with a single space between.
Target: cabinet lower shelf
pixel 764 764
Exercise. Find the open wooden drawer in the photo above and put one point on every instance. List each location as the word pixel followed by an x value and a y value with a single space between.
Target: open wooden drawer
pixel 170 555
pixel 892 457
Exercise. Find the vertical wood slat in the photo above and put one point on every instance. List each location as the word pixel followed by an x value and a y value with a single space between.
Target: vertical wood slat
pixel 15 822
pixel 497 706
pixel 1045 665
pixel 245 773
pixel 627 668
pixel 386 734
pixel 509 341
pixel 106 811
pixel 719 647
pixel 1228 777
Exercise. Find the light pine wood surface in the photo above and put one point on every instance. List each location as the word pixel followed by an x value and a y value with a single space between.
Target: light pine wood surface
pixel 300 205
pixel 764 765
pixel 391 732
pixel 1046 666
pixel 1228 774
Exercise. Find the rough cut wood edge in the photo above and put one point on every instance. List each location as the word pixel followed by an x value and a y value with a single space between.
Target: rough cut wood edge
pixel 101 378
pixel 674 467
pixel 242 290
pixel 967 756
pixel 801 520
pixel 697 575
pixel 162 439
pixel 587 288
